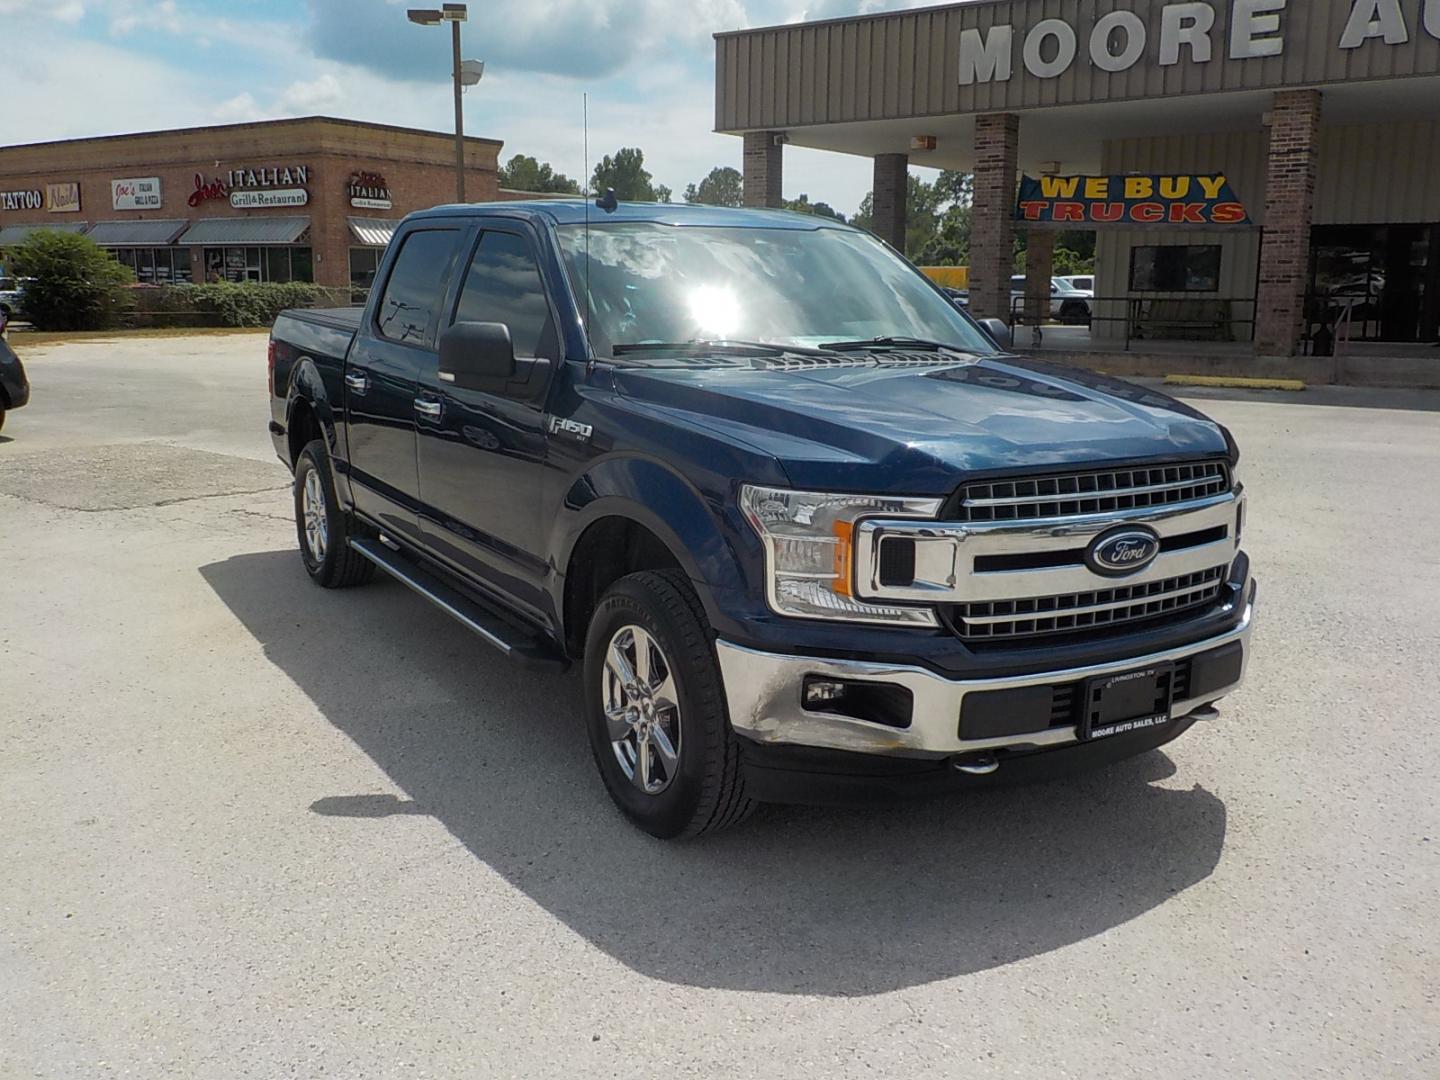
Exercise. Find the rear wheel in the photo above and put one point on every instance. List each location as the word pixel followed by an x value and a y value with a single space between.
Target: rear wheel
pixel 655 709
pixel 322 527
pixel 1075 313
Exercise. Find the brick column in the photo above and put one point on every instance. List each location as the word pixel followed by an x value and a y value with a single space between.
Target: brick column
pixel 892 187
pixel 1289 207
pixel 1039 262
pixel 764 168
pixel 992 228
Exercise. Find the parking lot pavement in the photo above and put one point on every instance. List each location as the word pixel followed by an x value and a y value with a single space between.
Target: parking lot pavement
pixel 251 828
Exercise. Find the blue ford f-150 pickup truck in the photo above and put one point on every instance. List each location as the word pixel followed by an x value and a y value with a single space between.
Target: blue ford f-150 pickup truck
pixel 812 535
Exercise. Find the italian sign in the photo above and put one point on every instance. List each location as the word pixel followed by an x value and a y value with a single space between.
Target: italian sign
pixel 1129 200
pixel 62 198
pixel 135 193
pixel 368 191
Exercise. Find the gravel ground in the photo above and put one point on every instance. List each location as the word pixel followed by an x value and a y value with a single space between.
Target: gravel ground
pixel 255 829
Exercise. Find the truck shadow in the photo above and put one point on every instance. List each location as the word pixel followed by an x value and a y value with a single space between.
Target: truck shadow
pixel 813 901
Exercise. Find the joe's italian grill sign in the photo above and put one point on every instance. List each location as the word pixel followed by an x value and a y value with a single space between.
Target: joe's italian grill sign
pixel 1129 200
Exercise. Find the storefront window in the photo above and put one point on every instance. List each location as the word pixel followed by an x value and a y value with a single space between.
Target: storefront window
pixel 363 264
pixel 241 264
pixel 156 266
pixel 1175 268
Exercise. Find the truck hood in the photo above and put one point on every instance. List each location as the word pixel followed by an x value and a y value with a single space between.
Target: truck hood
pixel 916 423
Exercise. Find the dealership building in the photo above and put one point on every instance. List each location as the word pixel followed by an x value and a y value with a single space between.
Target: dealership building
pixel 312 199
pixel 1263 173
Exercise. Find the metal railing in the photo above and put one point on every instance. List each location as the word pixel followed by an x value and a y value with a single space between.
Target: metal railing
pixel 1149 318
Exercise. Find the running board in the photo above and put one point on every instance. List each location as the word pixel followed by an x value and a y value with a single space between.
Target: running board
pixel 532 652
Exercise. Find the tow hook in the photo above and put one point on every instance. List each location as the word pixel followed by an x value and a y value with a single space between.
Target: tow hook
pixel 1205 712
pixel 977 764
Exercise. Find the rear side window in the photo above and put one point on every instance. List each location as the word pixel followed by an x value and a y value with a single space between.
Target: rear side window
pixel 504 286
pixel 416 286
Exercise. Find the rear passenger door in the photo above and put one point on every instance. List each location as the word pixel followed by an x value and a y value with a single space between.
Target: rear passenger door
pixel 482 457
pixel 394 344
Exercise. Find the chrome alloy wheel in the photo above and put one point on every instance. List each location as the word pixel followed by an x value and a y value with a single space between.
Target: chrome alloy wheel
pixel 642 709
pixel 312 507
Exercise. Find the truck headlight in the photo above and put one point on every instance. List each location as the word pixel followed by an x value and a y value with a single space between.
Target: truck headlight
pixel 809 552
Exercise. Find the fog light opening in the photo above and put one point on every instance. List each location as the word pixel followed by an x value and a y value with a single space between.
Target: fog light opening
pixel 873 702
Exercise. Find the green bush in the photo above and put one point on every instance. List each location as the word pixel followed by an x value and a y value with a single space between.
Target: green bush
pixel 76 285
pixel 230 304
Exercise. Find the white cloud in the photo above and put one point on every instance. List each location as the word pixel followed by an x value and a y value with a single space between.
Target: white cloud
pixel 314 96
pixel 70 12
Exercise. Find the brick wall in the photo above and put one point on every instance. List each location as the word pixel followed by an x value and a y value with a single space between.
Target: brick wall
pixel 1289 209
pixel 891 189
pixel 992 230
pixel 418 168
pixel 763 168
pixel 1039 263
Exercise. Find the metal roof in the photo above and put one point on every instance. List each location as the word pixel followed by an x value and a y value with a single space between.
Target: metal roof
pixel 218 232
pixel 373 232
pixel 155 233
pixel 10 235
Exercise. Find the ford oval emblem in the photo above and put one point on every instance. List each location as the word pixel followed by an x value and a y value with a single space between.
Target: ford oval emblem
pixel 1122 551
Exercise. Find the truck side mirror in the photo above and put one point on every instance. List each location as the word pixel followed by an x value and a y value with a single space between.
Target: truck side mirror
pixel 999 332
pixel 477 355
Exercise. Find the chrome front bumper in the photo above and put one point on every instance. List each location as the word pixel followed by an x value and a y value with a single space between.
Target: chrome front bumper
pixel 764 692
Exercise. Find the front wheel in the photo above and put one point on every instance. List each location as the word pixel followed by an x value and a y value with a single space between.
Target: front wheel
pixel 323 528
pixel 655 709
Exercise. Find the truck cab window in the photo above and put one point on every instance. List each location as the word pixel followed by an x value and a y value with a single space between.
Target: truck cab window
pixel 416 285
pixel 504 286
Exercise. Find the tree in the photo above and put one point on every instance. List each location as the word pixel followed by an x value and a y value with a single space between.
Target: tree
pixel 76 285
pixel 626 173
pixel 937 218
pixel 723 187
pixel 803 205
pixel 523 173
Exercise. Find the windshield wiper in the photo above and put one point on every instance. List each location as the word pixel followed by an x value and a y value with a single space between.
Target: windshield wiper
pixel 893 343
pixel 726 347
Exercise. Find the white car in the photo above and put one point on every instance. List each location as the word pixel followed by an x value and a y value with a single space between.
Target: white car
pixel 12 293
pixel 1084 283
pixel 1067 304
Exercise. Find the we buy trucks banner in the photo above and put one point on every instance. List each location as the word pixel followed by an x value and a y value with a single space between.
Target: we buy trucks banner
pixel 1129 200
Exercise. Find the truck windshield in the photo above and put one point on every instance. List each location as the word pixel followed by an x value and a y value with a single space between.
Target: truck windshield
pixel 653 284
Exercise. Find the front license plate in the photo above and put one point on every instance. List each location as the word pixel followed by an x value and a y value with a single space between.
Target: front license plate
pixel 1130 701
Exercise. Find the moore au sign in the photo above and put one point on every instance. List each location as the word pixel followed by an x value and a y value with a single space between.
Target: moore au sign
pixel 1169 33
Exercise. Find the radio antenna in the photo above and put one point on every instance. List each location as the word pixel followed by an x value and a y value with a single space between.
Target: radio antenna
pixel 585 99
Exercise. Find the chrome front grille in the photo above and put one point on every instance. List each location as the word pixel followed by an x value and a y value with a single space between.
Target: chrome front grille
pixel 993 619
pixel 1009 562
pixel 1096 492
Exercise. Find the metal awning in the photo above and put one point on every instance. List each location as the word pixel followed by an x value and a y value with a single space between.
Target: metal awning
pixel 222 232
pixel 10 235
pixel 372 232
pixel 158 233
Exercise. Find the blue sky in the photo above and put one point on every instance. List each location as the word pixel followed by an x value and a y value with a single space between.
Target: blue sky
pixel 96 67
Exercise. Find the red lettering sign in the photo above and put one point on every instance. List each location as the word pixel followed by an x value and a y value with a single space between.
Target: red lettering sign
pixel 1107 211
pixel 1147 212
pixel 204 191
pixel 1190 213
pixel 1068 211
pixel 1031 210
pixel 1228 213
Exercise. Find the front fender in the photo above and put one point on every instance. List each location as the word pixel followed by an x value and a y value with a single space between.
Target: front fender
pixel 704 530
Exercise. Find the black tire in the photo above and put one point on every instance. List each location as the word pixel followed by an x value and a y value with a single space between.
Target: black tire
pixel 1075 313
pixel 2 418
pixel 707 790
pixel 338 565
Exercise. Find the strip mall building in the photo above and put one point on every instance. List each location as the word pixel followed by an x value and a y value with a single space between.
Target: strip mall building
pixel 1320 118
pixel 313 199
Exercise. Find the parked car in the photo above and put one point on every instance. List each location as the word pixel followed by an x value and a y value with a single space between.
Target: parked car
pixel 1066 304
pixel 809 533
pixel 12 297
pixel 1084 283
pixel 14 386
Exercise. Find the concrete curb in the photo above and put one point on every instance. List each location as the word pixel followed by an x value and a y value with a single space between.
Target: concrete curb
pixel 1234 382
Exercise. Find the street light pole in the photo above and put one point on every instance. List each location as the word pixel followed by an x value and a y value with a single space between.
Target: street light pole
pixel 454 14
pixel 459 112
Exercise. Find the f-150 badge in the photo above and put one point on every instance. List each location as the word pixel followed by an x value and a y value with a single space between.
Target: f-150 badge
pixel 561 426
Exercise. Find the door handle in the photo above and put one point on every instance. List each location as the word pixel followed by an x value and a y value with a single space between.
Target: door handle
pixel 357 381
pixel 428 407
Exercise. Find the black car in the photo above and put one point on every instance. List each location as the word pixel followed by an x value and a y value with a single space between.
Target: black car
pixel 14 387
